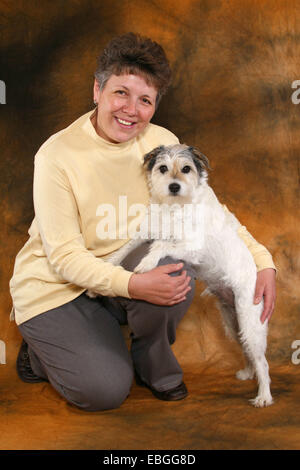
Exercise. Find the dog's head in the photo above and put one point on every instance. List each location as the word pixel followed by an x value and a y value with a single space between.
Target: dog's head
pixel 174 172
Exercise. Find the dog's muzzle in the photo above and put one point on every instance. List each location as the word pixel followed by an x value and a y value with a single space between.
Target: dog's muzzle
pixel 174 188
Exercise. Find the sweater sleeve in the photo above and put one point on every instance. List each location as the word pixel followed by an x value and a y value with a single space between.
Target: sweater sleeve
pixel 59 225
pixel 261 255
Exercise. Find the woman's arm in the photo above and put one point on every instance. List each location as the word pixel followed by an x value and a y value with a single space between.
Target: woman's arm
pixel 266 287
pixel 58 220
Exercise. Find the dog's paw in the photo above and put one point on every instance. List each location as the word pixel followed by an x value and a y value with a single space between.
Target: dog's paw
pixel 91 294
pixel 245 374
pixel 115 260
pixel 144 266
pixel 261 401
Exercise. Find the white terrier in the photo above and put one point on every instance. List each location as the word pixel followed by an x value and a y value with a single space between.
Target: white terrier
pixel 200 232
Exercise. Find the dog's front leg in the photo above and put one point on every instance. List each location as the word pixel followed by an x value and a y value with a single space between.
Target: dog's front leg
pixel 150 261
pixel 117 257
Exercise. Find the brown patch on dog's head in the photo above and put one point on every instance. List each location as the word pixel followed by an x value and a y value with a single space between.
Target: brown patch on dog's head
pixel 150 158
pixel 200 160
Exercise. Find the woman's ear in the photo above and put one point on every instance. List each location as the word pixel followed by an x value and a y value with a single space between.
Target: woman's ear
pixel 96 91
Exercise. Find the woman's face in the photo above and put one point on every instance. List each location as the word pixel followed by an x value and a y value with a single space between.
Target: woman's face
pixel 125 107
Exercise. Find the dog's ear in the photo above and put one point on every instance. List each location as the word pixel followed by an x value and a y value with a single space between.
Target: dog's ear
pixel 200 160
pixel 150 158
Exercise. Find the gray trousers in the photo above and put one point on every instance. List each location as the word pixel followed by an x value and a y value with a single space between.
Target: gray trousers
pixel 79 347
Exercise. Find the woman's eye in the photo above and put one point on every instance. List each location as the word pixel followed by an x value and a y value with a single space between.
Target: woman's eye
pixel 163 168
pixel 121 92
pixel 146 101
pixel 186 169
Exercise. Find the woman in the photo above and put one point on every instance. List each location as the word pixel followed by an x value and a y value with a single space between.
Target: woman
pixel 71 340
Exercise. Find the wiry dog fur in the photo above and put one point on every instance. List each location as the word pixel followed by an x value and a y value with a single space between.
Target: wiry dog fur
pixel 178 174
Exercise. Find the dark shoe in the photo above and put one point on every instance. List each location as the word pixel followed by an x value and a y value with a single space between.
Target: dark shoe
pixel 24 368
pixel 177 393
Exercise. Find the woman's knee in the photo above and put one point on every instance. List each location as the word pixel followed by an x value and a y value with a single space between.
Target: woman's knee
pixel 104 398
pixel 181 308
pixel 99 392
pixel 186 267
pixel 146 319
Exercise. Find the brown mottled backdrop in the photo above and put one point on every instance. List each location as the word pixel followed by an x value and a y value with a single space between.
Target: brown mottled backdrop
pixel 234 63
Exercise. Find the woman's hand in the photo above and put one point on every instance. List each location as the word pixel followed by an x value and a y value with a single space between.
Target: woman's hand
pixel 157 287
pixel 266 287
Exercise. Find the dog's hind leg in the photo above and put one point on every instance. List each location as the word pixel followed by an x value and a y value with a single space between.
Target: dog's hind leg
pixel 264 397
pixel 253 336
pixel 248 372
pixel 229 319
pixel 231 328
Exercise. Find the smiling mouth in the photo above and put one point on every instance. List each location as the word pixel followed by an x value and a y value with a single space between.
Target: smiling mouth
pixel 124 123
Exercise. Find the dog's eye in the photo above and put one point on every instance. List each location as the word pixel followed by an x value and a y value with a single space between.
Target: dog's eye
pixel 163 168
pixel 186 169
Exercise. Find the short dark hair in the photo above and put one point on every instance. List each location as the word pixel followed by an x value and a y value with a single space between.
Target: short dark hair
pixel 131 53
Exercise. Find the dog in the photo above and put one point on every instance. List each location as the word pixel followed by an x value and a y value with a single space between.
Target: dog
pixel 204 235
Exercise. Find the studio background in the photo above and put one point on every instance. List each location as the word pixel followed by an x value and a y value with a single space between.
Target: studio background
pixel 233 65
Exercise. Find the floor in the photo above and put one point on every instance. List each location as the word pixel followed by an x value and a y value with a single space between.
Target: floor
pixel 215 415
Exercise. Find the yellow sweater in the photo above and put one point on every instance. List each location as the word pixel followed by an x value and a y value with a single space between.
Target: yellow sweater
pixel 76 172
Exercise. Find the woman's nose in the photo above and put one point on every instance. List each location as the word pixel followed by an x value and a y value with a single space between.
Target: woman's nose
pixel 130 107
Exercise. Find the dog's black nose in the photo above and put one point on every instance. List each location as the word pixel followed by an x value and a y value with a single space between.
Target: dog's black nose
pixel 174 187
